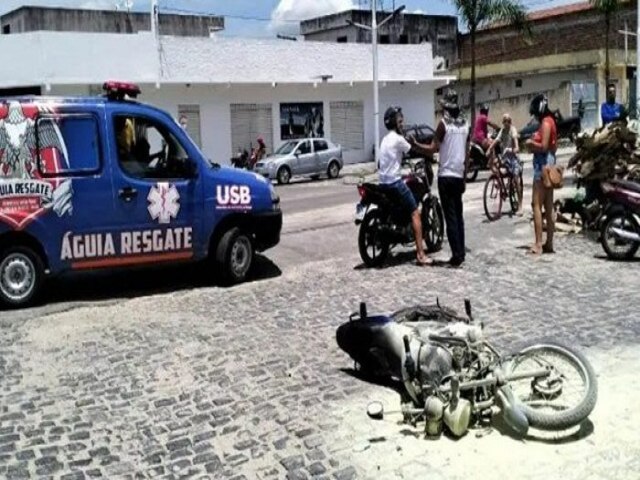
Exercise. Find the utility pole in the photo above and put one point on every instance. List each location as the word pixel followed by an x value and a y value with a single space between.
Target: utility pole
pixel 374 44
pixel 638 60
pixel 154 17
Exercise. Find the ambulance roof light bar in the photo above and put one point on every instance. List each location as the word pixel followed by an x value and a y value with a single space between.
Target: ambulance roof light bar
pixel 115 90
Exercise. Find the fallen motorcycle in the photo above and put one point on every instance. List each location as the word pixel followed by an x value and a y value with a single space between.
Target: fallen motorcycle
pixel 452 376
pixel 620 234
pixel 384 223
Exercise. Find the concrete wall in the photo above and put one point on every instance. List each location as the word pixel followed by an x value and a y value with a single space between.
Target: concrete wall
pixel 215 111
pixel 439 30
pixel 30 19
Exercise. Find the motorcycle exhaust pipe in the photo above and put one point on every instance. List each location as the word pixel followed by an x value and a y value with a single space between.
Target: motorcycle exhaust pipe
pixel 625 235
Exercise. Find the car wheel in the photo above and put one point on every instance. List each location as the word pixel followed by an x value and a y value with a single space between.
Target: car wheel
pixel 284 175
pixel 235 255
pixel 21 275
pixel 334 169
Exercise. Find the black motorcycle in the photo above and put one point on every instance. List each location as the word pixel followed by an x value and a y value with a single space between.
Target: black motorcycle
pixel 452 376
pixel 620 231
pixel 385 223
pixel 478 159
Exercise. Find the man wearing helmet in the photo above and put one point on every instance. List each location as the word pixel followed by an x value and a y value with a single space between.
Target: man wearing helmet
pixel 452 142
pixel 392 149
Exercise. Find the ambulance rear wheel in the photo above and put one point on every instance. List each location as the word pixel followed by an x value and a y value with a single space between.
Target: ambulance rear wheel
pixel 235 255
pixel 21 274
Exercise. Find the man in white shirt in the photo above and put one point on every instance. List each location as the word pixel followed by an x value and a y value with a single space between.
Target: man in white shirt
pixel 452 142
pixel 392 149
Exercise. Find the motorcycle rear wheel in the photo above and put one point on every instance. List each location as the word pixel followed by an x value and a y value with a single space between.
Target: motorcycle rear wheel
pixel 618 249
pixel 433 225
pixel 472 174
pixel 373 249
pixel 547 402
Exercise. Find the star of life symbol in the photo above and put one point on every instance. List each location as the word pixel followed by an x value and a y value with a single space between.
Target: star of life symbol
pixel 164 202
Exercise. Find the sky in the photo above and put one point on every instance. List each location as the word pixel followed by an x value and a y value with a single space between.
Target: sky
pixel 259 18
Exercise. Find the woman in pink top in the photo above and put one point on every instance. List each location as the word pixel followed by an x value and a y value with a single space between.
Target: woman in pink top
pixel 481 128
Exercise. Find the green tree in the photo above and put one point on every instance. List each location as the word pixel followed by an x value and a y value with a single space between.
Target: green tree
pixel 476 14
pixel 608 8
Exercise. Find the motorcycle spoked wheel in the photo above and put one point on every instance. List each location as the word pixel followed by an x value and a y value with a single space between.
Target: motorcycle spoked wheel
pixel 433 225
pixel 373 249
pixel 562 400
pixel 616 248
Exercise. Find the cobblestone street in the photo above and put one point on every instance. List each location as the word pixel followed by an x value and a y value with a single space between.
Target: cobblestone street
pixel 248 382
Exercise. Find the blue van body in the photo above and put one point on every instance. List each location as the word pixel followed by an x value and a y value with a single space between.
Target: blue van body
pixel 74 193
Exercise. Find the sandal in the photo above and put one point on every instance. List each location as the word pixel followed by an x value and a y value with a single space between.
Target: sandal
pixel 547 249
pixel 535 250
pixel 426 261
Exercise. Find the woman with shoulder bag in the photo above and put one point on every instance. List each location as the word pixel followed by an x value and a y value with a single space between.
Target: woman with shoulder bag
pixel 543 145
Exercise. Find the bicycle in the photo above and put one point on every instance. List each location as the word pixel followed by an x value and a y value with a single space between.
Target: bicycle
pixel 496 191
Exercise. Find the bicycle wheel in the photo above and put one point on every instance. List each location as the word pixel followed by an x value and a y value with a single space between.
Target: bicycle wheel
pixel 493 198
pixel 563 399
pixel 515 183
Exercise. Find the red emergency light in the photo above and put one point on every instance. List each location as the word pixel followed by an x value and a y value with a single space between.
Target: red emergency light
pixel 118 90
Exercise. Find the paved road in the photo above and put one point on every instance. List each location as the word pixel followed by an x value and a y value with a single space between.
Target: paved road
pixel 203 382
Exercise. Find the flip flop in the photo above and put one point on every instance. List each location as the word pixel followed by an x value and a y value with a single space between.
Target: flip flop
pixel 534 251
pixel 424 263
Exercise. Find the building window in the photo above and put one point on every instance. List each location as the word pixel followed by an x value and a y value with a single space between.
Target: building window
pixel 343 39
pixel 519 83
pixel 347 125
pixel 68 145
pixel 384 39
pixel 6 29
pixel 191 114
pixel 404 39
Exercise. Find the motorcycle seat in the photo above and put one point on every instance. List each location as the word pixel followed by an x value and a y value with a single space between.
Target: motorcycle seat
pixel 627 185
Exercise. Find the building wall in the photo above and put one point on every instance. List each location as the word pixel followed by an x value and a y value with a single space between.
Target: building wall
pixel 215 108
pixel 570 33
pixel 30 19
pixel 439 30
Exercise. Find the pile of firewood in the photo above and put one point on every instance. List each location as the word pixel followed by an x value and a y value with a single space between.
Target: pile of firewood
pixel 611 151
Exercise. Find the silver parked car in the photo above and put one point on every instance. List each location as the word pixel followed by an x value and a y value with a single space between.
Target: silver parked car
pixel 307 156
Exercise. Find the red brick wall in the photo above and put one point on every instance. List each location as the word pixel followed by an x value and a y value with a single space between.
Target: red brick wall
pixel 573 32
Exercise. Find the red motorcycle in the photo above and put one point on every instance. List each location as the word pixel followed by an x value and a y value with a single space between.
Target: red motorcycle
pixel 384 222
pixel 620 233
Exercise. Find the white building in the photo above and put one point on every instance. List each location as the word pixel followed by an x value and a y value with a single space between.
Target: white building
pixel 234 90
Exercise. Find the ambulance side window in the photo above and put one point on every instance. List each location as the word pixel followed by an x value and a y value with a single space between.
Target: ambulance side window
pixel 67 145
pixel 146 150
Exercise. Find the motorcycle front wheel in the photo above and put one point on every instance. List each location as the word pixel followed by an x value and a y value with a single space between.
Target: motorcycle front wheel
pixel 564 398
pixel 373 248
pixel 618 248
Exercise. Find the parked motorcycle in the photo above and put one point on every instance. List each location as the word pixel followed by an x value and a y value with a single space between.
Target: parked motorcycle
pixel 452 376
pixel 478 159
pixel 384 222
pixel 620 234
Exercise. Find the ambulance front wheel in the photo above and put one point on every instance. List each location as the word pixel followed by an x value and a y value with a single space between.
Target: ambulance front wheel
pixel 21 274
pixel 235 255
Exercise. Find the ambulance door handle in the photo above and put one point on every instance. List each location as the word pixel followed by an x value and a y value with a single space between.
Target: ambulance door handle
pixel 127 193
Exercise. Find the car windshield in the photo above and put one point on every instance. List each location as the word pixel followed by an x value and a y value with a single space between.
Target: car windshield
pixel 286 148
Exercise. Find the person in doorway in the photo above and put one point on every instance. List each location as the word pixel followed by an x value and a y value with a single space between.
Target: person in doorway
pixel 543 144
pixel 481 128
pixel 184 122
pixel 452 142
pixel 392 150
pixel 611 111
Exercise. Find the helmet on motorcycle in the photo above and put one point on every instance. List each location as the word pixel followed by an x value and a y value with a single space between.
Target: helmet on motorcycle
pixel 484 108
pixel 260 140
pixel 391 117
pixel 539 105
pixel 449 103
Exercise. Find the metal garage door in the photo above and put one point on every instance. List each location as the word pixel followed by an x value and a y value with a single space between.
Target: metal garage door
pixel 347 124
pixel 192 112
pixel 248 122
